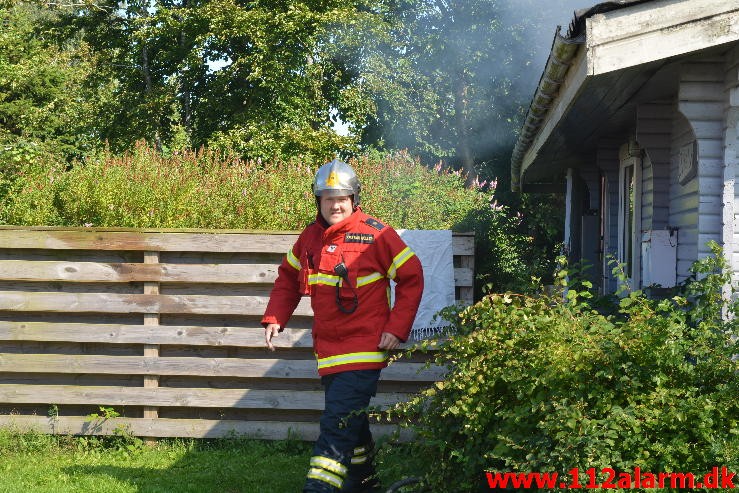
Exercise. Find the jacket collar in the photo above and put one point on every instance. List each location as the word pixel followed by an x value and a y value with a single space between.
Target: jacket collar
pixel 341 227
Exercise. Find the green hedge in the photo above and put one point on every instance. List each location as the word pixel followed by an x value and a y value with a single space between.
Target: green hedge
pixel 540 384
pixel 207 189
pixel 211 189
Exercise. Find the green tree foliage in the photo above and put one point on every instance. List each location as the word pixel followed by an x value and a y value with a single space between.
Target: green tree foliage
pixel 268 79
pixel 43 105
pixel 548 384
pixel 254 77
pixel 450 79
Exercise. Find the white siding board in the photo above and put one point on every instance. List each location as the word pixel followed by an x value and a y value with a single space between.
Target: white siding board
pixel 712 201
pixel 700 72
pixel 654 124
pixel 701 110
pixel 683 268
pixel 705 90
pixel 712 147
pixel 659 154
pixel 656 16
pixel 710 224
pixel 710 130
pixel 613 45
pixel 685 220
pixel 731 155
pixel 712 167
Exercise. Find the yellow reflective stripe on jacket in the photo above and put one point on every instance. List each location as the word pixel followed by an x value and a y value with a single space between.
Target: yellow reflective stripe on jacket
pixel 364 280
pixel 352 358
pixel 327 279
pixel 399 260
pixel 331 280
pixel 293 260
pixel 331 465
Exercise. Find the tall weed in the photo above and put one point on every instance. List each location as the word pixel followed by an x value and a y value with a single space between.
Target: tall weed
pixel 210 189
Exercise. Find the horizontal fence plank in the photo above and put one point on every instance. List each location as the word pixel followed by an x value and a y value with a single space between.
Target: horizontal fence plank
pixel 195 366
pixel 187 428
pixel 463 244
pixel 463 276
pixel 163 240
pixel 175 397
pixel 145 241
pixel 246 337
pixel 141 334
pixel 23 270
pixel 138 303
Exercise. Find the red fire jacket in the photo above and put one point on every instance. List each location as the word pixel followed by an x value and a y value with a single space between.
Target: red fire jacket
pixel 373 255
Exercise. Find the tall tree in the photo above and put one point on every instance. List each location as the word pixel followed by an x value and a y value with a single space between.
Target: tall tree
pixel 254 76
pixel 453 80
pixel 43 101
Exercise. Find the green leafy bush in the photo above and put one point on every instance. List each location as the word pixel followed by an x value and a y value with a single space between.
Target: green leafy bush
pixel 539 383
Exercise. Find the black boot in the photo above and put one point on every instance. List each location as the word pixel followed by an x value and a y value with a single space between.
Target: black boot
pixel 362 477
pixel 325 475
pixel 367 485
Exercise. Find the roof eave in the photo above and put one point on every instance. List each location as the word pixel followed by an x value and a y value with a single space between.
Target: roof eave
pixel 614 44
pixel 558 64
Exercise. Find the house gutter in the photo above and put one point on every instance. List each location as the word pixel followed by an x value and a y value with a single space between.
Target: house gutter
pixel 560 58
pixel 561 55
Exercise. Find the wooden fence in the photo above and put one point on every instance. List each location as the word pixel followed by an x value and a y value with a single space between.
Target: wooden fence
pixel 164 328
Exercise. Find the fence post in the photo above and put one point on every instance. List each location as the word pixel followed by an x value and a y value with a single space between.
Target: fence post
pixel 151 350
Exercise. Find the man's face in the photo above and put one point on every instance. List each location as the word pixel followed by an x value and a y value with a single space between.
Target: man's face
pixel 336 209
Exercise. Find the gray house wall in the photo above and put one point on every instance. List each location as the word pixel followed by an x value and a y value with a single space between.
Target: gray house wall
pixel 653 132
pixel 704 113
pixel 696 206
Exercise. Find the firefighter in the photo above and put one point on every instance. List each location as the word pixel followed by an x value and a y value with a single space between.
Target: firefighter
pixel 344 261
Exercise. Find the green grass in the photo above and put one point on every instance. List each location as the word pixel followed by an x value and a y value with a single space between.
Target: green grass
pixel 37 463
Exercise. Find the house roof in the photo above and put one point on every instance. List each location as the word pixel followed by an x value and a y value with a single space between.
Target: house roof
pixel 615 55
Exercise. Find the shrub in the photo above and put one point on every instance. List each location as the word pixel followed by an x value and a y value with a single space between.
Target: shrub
pixel 209 189
pixel 537 383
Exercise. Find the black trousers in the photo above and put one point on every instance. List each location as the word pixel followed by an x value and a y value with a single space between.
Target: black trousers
pixel 344 426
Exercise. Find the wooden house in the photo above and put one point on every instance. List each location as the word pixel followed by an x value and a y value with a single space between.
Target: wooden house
pixel 635 119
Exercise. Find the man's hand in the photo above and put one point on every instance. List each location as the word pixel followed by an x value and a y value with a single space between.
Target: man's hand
pixel 270 331
pixel 388 341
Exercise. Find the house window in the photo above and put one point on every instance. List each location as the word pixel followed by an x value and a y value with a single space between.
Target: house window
pixel 629 214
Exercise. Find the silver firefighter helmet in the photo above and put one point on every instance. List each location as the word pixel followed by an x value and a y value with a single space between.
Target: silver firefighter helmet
pixel 336 179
